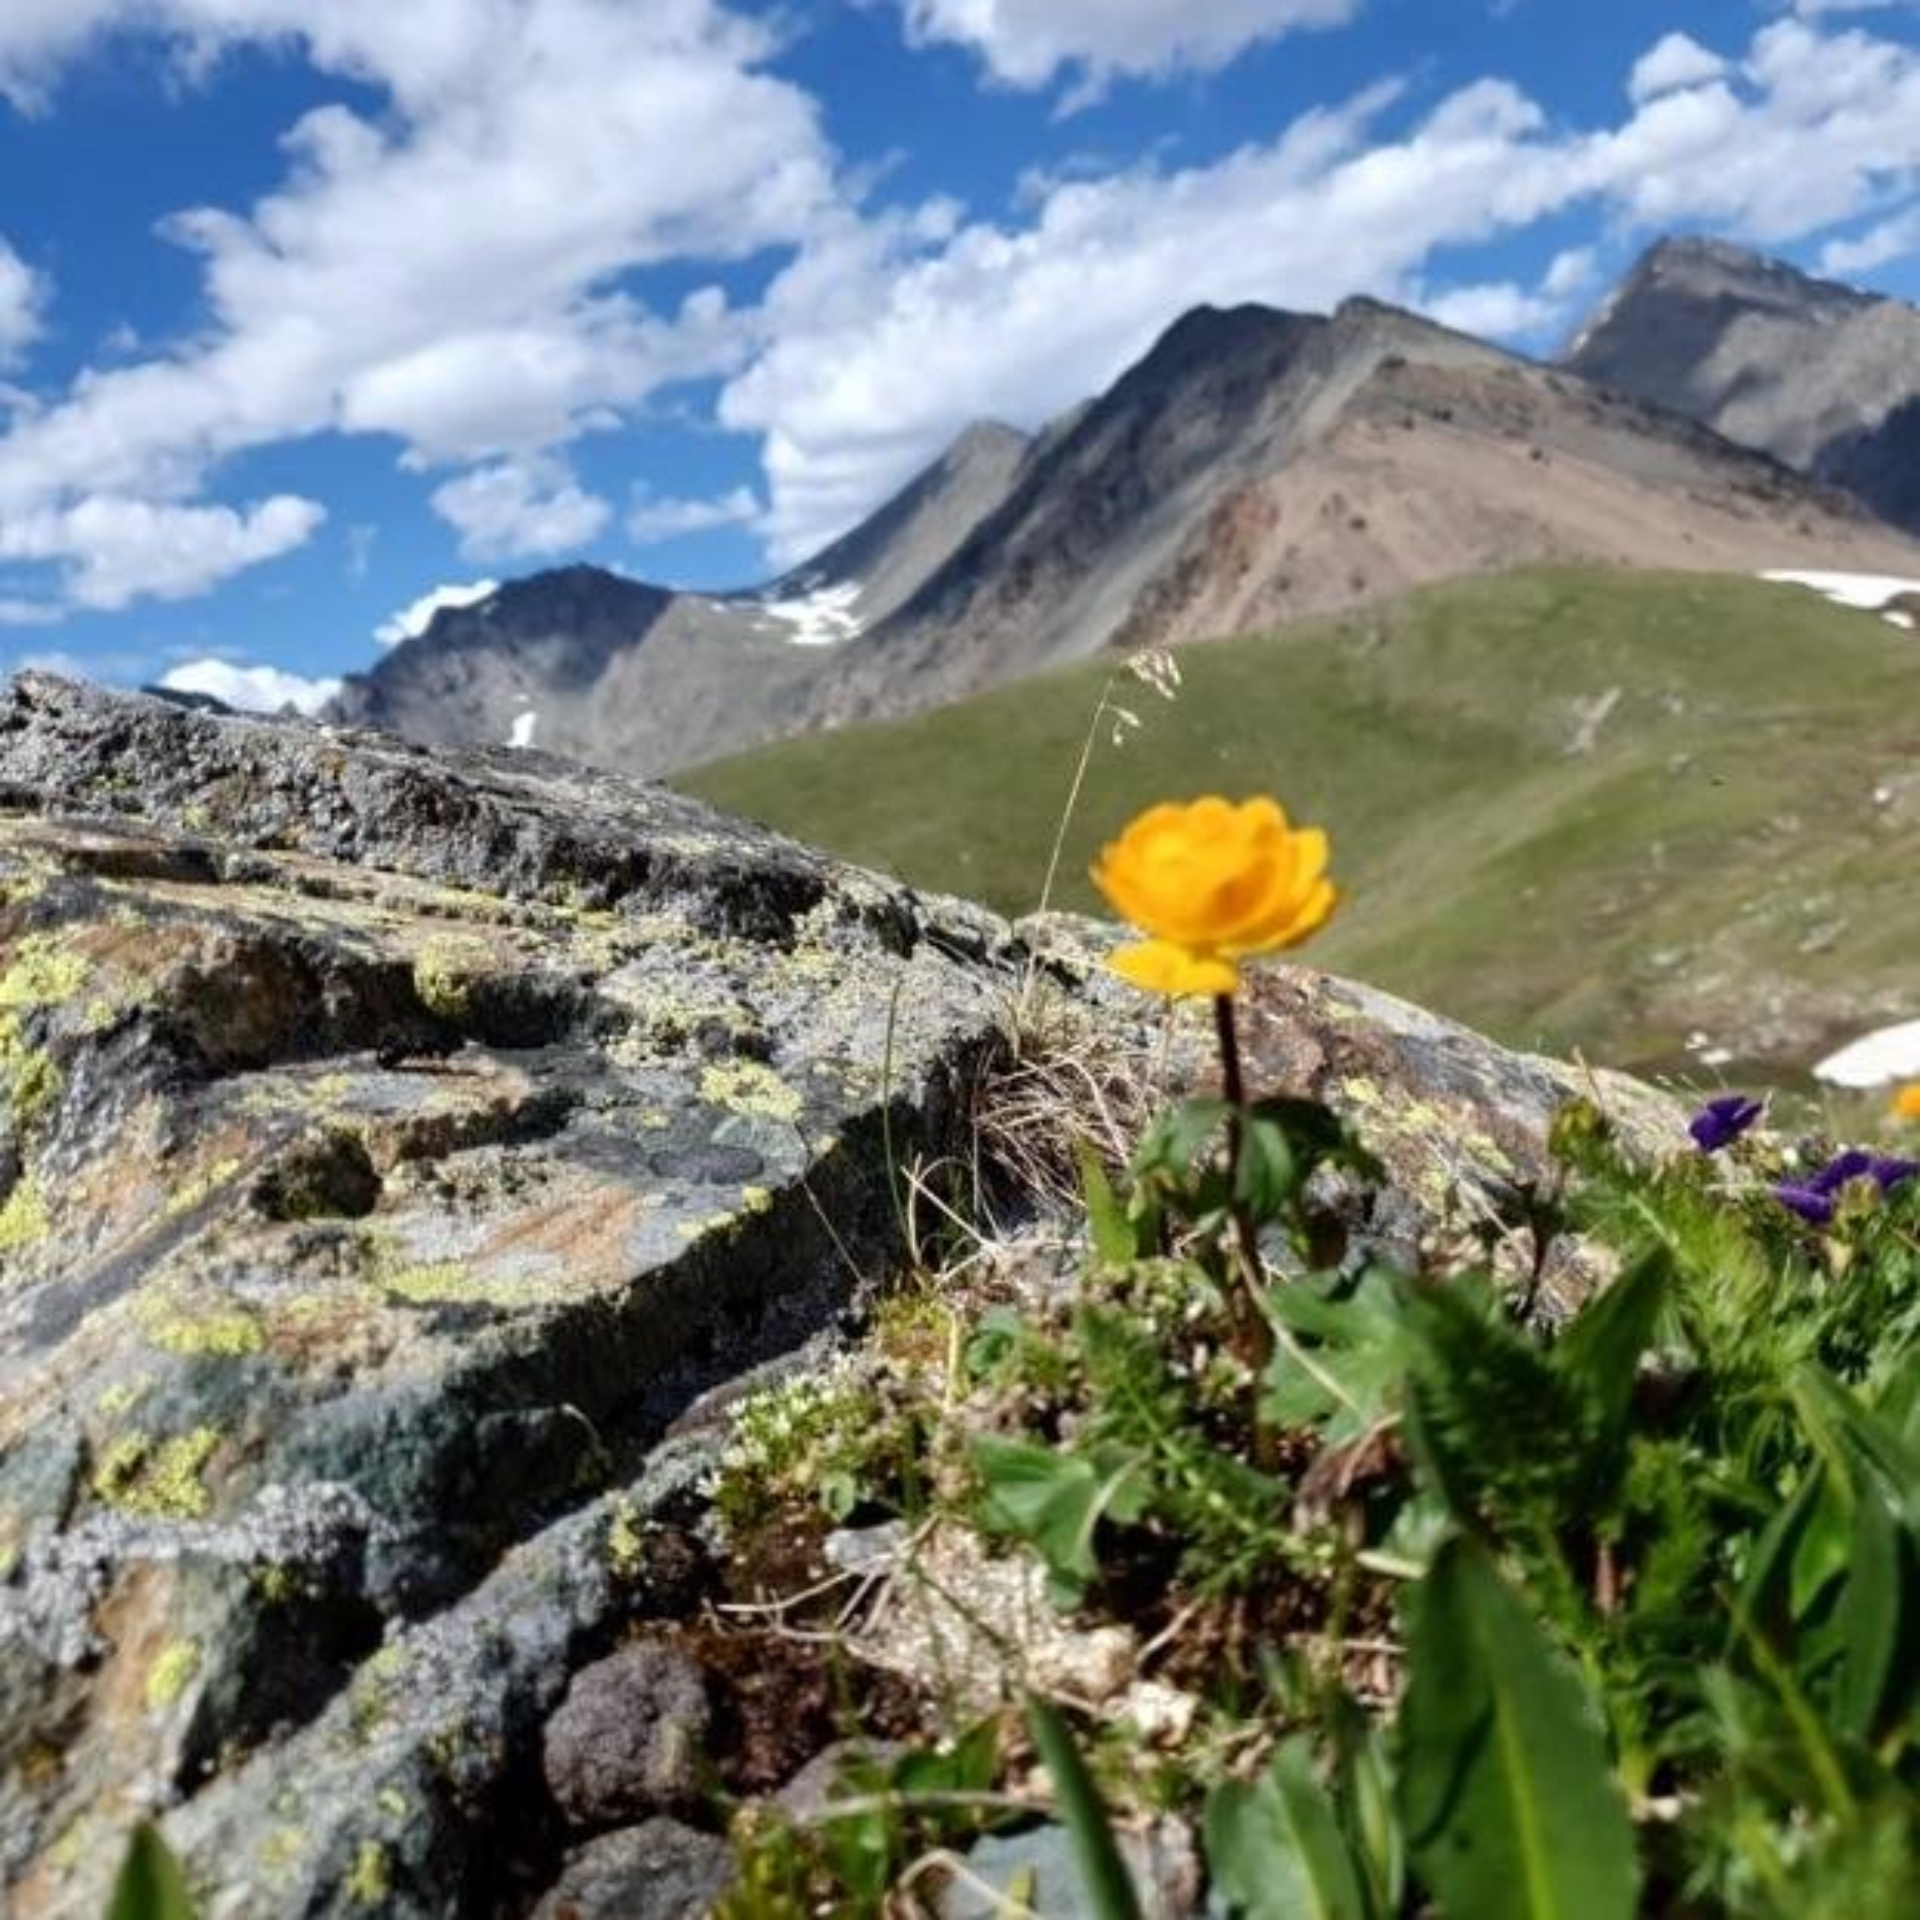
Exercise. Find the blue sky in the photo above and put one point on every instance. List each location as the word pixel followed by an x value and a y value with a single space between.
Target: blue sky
pixel 311 308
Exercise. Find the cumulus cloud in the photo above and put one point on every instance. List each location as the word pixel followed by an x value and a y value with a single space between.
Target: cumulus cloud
pixel 1026 42
pixel 22 296
pixel 110 550
pixel 251 689
pixel 887 335
pixel 1676 61
pixel 413 619
pixel 441 271
pixel 654 518
pixel 519 509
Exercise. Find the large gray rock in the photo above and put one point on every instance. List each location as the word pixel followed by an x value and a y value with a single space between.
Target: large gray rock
pixel 392 1146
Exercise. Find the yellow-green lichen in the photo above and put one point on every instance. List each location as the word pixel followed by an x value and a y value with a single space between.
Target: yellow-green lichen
pixel 281 1852
pixel 167 1678
pixel 119 1399
pixel 200 1189
pixel 755 1200
pixel 220 1335
pixel 393 1803
pixel 158 1481
pixel 626 1552
pixel 34 1081
pixel 43 972
pixel 745 1086
pixel 370 1884
pixel 24 1219
pixel 444 975
pixel 446 1283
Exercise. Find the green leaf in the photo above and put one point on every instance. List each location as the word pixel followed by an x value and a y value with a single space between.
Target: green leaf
pixel 1600 1353
pixel 1510 1808
pixel 1318 1136
pixel 1113 1233
pixel 1343 1367
pixel 1875 1620
pixel 1054 1500
pixel 151 1885
pixel 1175 1137
pixel 1266 1177
pixel 1275 1849
pixel 1110 1888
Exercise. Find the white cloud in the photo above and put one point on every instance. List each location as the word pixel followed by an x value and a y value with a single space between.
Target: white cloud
pixel 1026 42
pixel 654 518
pixel 888 335
pixel 520 508
pixel 1673 63
pixel 1886 240
pixel 251 689
pixel 413 619
pixel 111 550
pixel 22 297
pixel 441 271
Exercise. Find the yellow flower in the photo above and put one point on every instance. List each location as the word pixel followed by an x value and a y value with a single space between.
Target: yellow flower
pixel 1906 1101
pixel 1211 884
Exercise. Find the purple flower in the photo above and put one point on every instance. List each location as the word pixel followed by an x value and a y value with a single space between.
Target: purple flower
pixel 1814 1199
pixel 1721 1122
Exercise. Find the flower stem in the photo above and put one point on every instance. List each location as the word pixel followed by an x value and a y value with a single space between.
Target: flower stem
pixel 1252 1336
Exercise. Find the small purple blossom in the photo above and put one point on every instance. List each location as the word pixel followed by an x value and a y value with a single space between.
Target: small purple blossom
pixel 1814 1199
pixel 1721 1122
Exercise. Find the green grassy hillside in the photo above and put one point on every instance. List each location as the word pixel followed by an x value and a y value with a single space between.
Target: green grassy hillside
pixel 1734 852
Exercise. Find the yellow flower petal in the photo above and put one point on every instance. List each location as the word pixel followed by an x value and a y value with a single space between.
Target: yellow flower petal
pixel 1217 879
pixel 1160 966
pixel 1906 1101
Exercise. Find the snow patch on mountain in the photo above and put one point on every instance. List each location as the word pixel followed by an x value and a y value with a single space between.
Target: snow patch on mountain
pixel 523 726
pixel 820 615
pixel 1871 592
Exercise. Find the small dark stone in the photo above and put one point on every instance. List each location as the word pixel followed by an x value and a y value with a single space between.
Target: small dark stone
pixel 630 1737
pixel 657 1871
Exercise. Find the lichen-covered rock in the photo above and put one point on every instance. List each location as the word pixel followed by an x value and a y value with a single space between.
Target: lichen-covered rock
pixel 630 1738
pixel 393 1147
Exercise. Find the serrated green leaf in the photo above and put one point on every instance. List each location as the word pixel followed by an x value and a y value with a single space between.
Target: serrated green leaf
pixel 1266 1175
pixel 1275 1848
pixel 1054 1500
pixel 1600 1353
pixel 1113 1233
pixel 1342 1366
pixel 1510 1808
pixel 150 1884
pixel 1175 1137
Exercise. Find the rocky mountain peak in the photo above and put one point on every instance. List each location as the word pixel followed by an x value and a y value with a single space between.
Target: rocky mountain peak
pixel 1821 376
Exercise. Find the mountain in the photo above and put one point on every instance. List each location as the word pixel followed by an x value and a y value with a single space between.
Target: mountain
pixel 1260 465
pixel 618 673
pixel 1578 807
pixel 1254 466
pixel 1822 376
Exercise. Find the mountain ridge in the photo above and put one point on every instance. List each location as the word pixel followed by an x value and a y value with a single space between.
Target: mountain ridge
pixel 1252 465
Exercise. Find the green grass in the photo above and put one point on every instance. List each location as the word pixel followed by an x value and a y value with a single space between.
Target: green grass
pixel 1717 860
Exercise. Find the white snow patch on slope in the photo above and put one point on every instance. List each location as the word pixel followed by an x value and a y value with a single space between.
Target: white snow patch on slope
pixel 523 726
pixel 820 616
pixel 1869 591
pixel 1888 1053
